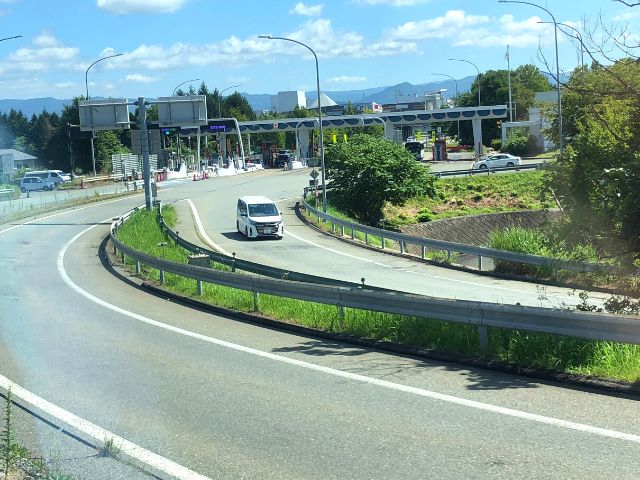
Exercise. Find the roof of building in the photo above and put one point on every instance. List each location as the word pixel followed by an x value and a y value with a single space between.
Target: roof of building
pixel 326 102
pixel 17 154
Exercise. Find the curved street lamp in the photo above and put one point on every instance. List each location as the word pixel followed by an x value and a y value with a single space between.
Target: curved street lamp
pixel 477 69
pixel 10 38
pixel 555 34
pixel 180 84
pixel 220 97
pixel 324 190
pixel 86 85
pixel 449 76
pixel 578 35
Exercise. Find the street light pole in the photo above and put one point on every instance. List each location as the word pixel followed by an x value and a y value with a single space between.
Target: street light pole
pixel 180 84
pixel 555 35
pixel 220 98
pixel 86 85
pixel 477 69
pixel 449 76
pixel 321 140
pixel 578 34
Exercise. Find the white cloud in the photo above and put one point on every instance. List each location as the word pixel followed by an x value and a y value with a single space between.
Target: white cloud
pixel 393 3
pixel 440 27
pixel 139 78
pixel 507 31
pixel 306 10
pixel 625 17
pixel 235 52
pixel 45 39
pixel 64 84
pixel 346 79
pixel 46 54
pixel 123 7
pixel 476 30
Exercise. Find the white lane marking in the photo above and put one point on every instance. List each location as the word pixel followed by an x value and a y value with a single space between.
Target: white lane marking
pixel 65 212
pixel 200 228
pixel 603 432
pixel 99 434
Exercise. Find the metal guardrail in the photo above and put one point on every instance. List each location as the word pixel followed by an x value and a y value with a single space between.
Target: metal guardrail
pixel 588 325
pixel 487 171
pixel 451 247
pixel 256 268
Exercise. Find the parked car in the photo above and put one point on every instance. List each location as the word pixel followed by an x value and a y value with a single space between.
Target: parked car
pixel 496 160
pixel 51 175
pixel 66 177
pixel 283 158
pixel 259 217
pixel 29 184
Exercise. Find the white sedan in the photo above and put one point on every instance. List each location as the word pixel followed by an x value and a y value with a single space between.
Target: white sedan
pixel 496 160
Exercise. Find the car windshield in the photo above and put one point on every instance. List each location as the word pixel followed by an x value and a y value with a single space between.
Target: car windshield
pixel 263 210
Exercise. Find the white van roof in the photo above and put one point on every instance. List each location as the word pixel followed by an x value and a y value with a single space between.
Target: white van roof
pixel 254 199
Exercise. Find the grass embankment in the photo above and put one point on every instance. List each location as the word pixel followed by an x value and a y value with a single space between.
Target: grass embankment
pixel 604 359
pixel 474 195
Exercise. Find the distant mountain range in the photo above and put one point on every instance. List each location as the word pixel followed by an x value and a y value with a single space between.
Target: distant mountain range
pixel 260 102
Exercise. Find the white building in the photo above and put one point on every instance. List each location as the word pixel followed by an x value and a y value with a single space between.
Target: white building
pixel 288 101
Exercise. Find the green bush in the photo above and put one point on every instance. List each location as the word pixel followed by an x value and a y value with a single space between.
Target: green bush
pixel 516 144
pixel 496 144
pixel 521 240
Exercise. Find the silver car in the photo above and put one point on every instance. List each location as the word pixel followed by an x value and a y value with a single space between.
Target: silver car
pixel 496 160
pixel 29 184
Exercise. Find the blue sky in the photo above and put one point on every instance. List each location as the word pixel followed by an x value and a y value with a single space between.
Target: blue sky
pixel 360 43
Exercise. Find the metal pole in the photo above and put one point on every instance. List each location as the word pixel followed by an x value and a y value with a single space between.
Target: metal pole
pixel 144 146
pixel 86 85
pixel 477 69
pixel 188 81
pixel 324 190
pixel 509 84
pixel 449 76
pixel 555 35
pixel 220 97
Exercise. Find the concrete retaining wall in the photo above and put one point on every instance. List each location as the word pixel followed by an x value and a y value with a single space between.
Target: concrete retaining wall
pixel 476 229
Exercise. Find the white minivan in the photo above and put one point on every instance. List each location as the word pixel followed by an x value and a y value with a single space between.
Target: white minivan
pixel 47 175
pixel 259 217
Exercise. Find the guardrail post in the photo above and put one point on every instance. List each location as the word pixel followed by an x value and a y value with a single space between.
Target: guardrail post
pixel 423 253
pixel 161 277
pixel 401 247
pixel 138 269
pixel 341 317
pixel 483 334
pixel 233 262
pixel 115 250
pixel 366 238
pixel 449 256
pixel 256 301
pixel 333 227
pixel 353 234
pixel 199 287
pixel 480 262
pixel 122 255
pixel 382 241
pixel 342 230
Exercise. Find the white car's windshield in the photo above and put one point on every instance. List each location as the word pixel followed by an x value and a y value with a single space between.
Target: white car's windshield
pixel 263 210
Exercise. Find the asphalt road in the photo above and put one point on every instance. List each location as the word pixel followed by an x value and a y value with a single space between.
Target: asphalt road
pixel 233 400
pixel 303 249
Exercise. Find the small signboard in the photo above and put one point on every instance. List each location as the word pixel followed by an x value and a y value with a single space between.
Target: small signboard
pixel 314 174
pixel 182 111
pixel 8 164
pixel 221 125
pixel 104 114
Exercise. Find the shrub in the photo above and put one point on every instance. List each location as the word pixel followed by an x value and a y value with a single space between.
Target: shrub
pixel 496 144
pixel 520 240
